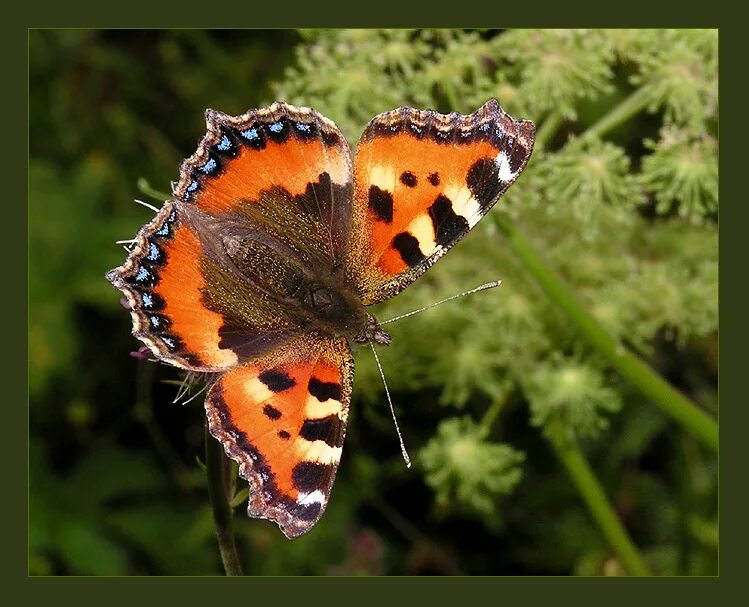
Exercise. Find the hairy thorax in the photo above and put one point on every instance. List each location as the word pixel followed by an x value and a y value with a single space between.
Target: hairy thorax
pixel 339 312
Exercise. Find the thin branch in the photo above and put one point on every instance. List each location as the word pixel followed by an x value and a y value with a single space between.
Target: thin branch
pixel 619 114
pixel 590 490
pixel 682 410
pixel 217 470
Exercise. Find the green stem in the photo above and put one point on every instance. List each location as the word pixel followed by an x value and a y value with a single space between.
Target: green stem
pixel 548 129
pixel 633 369
pixel 595 499
pixel 149 190
pixel 630 106
pixel 217 469
pixel 492 412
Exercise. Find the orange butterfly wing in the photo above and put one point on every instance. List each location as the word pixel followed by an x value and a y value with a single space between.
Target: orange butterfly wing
pixel 264 199
pixel 422 180
pixel 283 419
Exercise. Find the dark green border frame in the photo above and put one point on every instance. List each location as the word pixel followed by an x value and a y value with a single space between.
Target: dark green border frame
pixel 384 13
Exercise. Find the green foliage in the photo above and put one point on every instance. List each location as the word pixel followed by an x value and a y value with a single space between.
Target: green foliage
pixel 467 471
pixel 620 197
pixel 573 393
pixel 588 176
pixel 107 509
pixel 556 68
pixel 682 173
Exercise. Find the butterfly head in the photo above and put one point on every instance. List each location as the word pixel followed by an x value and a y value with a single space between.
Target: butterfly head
pixel 373 333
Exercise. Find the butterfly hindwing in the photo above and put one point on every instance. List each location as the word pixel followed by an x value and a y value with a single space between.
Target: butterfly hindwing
pixel 422 181
pixel 283 419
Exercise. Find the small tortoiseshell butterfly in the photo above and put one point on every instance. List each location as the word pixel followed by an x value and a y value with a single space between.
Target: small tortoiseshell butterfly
pixel 276 241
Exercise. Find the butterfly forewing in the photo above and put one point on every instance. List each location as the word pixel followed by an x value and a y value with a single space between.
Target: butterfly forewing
pixel 422 181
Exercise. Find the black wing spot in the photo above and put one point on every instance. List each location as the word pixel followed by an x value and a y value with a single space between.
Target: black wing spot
pixel 309 476
pixel 282 434
pixel 325 429
pixel 483 181
pixel 448 225
pixel 408 246
pixel 322 391
pixel 276 381
pixel 330 138
pixel 271 412
pixel 408 179
pixel 434 178
pixel 381 204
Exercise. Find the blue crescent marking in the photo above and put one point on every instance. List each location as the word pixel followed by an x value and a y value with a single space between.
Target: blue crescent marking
pixel 168 341
pixel 250 134
pixel 153 252
pixel 147 300
pixel 224 144
pixel 209 166
pixel 276 127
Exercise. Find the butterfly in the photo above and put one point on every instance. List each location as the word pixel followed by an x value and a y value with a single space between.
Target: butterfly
pixel 261 268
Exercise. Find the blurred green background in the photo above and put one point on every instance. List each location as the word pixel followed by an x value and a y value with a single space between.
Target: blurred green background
pixel 533 454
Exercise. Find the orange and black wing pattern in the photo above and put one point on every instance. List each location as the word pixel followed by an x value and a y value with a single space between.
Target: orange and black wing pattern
pixel 262 206
pixel 422 180
pixel 283 168
pixel 283 419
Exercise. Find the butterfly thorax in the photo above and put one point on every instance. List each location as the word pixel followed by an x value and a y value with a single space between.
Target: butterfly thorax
pixel 338 312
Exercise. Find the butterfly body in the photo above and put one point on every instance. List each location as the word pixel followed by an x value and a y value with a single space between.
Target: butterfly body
pixel 263 265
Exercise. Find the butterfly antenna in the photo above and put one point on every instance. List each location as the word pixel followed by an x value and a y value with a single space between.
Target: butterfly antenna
pixel 148 206
pixel 488 285
pixel 392 409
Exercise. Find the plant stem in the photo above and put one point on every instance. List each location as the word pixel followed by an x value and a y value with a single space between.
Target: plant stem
pixel 149 190
pixel 630 106
pixel 671 401
pixel 595 499
pixel 217 469
pixel 492 412
pixel 548 129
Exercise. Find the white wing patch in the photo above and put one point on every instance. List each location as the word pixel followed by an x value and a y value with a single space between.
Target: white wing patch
pixel 503 167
